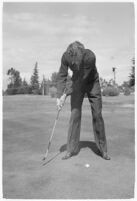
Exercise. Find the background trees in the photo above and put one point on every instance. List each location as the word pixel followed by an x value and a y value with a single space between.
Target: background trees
pixel 48 86
pixel 15 81
pixel 132 74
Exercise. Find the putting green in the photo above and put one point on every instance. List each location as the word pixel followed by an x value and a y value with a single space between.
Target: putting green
pixel 27 125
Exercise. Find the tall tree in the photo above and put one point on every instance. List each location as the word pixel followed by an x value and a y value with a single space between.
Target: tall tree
pixel 35 79
pixel 132 74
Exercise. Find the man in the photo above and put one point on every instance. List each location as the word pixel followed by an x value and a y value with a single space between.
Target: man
pixel 85 80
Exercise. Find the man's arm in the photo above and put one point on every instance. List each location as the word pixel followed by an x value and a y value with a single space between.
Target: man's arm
pixel 62 77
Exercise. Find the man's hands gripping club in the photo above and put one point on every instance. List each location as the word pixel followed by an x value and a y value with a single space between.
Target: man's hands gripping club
pixel 61 101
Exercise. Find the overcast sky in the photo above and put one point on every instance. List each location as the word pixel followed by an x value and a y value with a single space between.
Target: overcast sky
pixel 42 31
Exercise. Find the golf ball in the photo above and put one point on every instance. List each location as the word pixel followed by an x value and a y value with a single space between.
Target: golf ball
pixel 87 165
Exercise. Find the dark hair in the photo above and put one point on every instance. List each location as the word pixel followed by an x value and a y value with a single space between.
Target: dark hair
pixel 74 47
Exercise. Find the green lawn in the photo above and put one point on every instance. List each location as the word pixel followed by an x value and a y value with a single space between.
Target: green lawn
pixel 27 125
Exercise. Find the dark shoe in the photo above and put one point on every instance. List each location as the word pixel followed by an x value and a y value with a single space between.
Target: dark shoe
pixel 67 156
pixel 105 156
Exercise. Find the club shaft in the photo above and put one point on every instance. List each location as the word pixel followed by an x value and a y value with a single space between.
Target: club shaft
pixel 49 144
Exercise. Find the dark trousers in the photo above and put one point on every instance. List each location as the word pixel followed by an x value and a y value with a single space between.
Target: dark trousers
pixel 94 96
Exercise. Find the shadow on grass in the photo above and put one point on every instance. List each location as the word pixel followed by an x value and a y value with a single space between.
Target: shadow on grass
pixel 84 144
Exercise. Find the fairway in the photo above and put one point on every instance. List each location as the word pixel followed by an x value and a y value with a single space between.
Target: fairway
pixel 27 125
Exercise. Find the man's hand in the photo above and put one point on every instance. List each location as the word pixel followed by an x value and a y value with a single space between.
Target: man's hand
pixel 61 101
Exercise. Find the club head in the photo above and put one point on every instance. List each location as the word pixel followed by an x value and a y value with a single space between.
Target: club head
pixel 51 159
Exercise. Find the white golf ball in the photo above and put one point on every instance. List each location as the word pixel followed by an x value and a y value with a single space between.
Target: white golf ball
pixel 87 165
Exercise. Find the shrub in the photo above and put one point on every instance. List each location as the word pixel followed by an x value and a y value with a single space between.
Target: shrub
pixel 35 91
pixel 11 91
pixel 110 91
pixel 53 92
pixel 126 91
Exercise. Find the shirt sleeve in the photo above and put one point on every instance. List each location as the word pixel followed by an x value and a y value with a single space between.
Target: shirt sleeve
pixel 62 77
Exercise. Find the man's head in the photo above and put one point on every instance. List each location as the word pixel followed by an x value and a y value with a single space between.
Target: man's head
pixel 75 51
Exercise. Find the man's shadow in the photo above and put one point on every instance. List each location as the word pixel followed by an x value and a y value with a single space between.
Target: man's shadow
pixel 84 144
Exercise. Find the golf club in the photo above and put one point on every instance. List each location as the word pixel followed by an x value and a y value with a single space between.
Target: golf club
pixel 49 144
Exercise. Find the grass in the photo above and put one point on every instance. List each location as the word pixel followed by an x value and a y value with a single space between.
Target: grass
pixel 27 124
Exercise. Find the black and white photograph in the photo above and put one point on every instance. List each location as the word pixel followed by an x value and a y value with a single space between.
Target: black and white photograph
pixel 68 100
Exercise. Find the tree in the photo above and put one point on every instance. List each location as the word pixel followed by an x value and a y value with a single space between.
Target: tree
pixel 25 87
pixel 10 73
pixel 132 74
pixel 14 77
pixel 34 82
pixel 15 81
pixel 43 86
pixel 103 83
pixel 111 82
pixel 48 85
pixel 24 83
pixel 125 84
pixel 54 78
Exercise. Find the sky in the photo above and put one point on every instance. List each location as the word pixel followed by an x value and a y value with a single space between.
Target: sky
pixel 42 31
